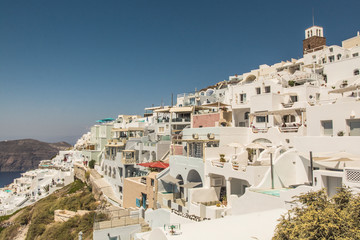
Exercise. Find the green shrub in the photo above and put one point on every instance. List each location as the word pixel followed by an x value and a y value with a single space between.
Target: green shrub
pixel 320 217
pixel 291 83
pixel 76 186
pixel 92 164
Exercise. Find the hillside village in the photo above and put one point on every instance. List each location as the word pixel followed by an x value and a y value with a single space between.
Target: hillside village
pixel 225 161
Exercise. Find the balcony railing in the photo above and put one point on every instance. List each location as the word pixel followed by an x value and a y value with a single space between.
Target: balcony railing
pixel 181 120
pixel 289 129
pixel 128 160
pixel 163 120
pixel 260 129
pixel 287 105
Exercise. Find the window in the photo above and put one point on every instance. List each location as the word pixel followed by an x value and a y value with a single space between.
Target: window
pixel 258 90
pixel 196 149
pixel 241 124
pixel 356 72
pixel 246 115
pixel 242 97
pixel 289 118
pixel 355 54
pixel 161 129
pixel 327 127
pixel 331 49
pixel 120 189
pixel 338 56
pixel 354 127
pixel 317 96
pixel 120 172
pixel 267 89
pixel 152 182
pixel 261 119
pixel 331 58
pixel 294 98
pixel 323 60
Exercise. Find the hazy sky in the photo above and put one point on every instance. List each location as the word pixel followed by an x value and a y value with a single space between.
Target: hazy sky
pixel 65 64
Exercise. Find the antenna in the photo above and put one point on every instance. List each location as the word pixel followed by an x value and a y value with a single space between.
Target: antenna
pixel 313 17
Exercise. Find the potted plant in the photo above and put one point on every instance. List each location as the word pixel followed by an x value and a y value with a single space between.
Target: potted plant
pixel 224 201
pixel 291 83
pixel 340 133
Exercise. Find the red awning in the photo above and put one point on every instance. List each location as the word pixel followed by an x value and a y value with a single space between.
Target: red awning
pixel 146 164
pixel 157 164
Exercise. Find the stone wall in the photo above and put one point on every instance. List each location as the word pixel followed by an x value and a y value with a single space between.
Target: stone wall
pixel 313 43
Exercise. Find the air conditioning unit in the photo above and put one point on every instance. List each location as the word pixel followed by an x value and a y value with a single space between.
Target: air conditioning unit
pixel 216 182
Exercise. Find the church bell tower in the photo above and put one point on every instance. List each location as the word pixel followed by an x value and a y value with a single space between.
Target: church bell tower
pixel 314 39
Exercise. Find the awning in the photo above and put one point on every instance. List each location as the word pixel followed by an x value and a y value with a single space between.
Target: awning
pixel 260 113
pixel 346 89
pixel 127 129
pixel 118 144
pixel 287 111
pixel 216 104
pixel 105 120
pixel 191 184
pixel 279 112
pixel 119 130
pixel 162 110
pixel 146 164
pixel 159 164
pixel 170 179
pixel 153 108
pixel 181 109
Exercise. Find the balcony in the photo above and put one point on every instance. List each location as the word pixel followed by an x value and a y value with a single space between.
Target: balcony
pixel 289 129
pixel 128 157
pixel 287 105
pixel 179 120
pixel 163 120
pixel 260 129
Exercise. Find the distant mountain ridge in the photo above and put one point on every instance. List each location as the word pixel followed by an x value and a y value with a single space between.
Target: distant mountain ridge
pixel 26 154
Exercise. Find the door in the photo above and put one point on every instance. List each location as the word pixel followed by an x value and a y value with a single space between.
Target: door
pixel 143 200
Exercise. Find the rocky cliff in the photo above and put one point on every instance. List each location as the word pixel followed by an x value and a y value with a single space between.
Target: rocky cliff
pixel 25 154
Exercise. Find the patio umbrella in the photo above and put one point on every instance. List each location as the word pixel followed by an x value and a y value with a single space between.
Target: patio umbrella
pixel 236 145
pixel 338 158
pixel 255 146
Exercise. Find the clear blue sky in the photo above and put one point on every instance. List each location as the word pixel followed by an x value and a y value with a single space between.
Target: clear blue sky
pixel 65 64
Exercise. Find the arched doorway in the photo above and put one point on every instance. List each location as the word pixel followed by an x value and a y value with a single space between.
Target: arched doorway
pixel 194 176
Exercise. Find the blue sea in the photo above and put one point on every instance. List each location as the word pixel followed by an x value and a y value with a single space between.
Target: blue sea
pixel 8 177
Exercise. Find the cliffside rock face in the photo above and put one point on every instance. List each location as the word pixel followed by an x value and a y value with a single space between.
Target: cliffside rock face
pixel 25 154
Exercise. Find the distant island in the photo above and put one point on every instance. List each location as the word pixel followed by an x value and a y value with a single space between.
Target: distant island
pixel 25 154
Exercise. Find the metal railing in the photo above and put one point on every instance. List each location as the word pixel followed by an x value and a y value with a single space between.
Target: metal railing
pixel 112 219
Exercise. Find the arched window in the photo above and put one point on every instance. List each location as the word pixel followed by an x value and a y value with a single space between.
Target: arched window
pixel 356 72
pixel 339 56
